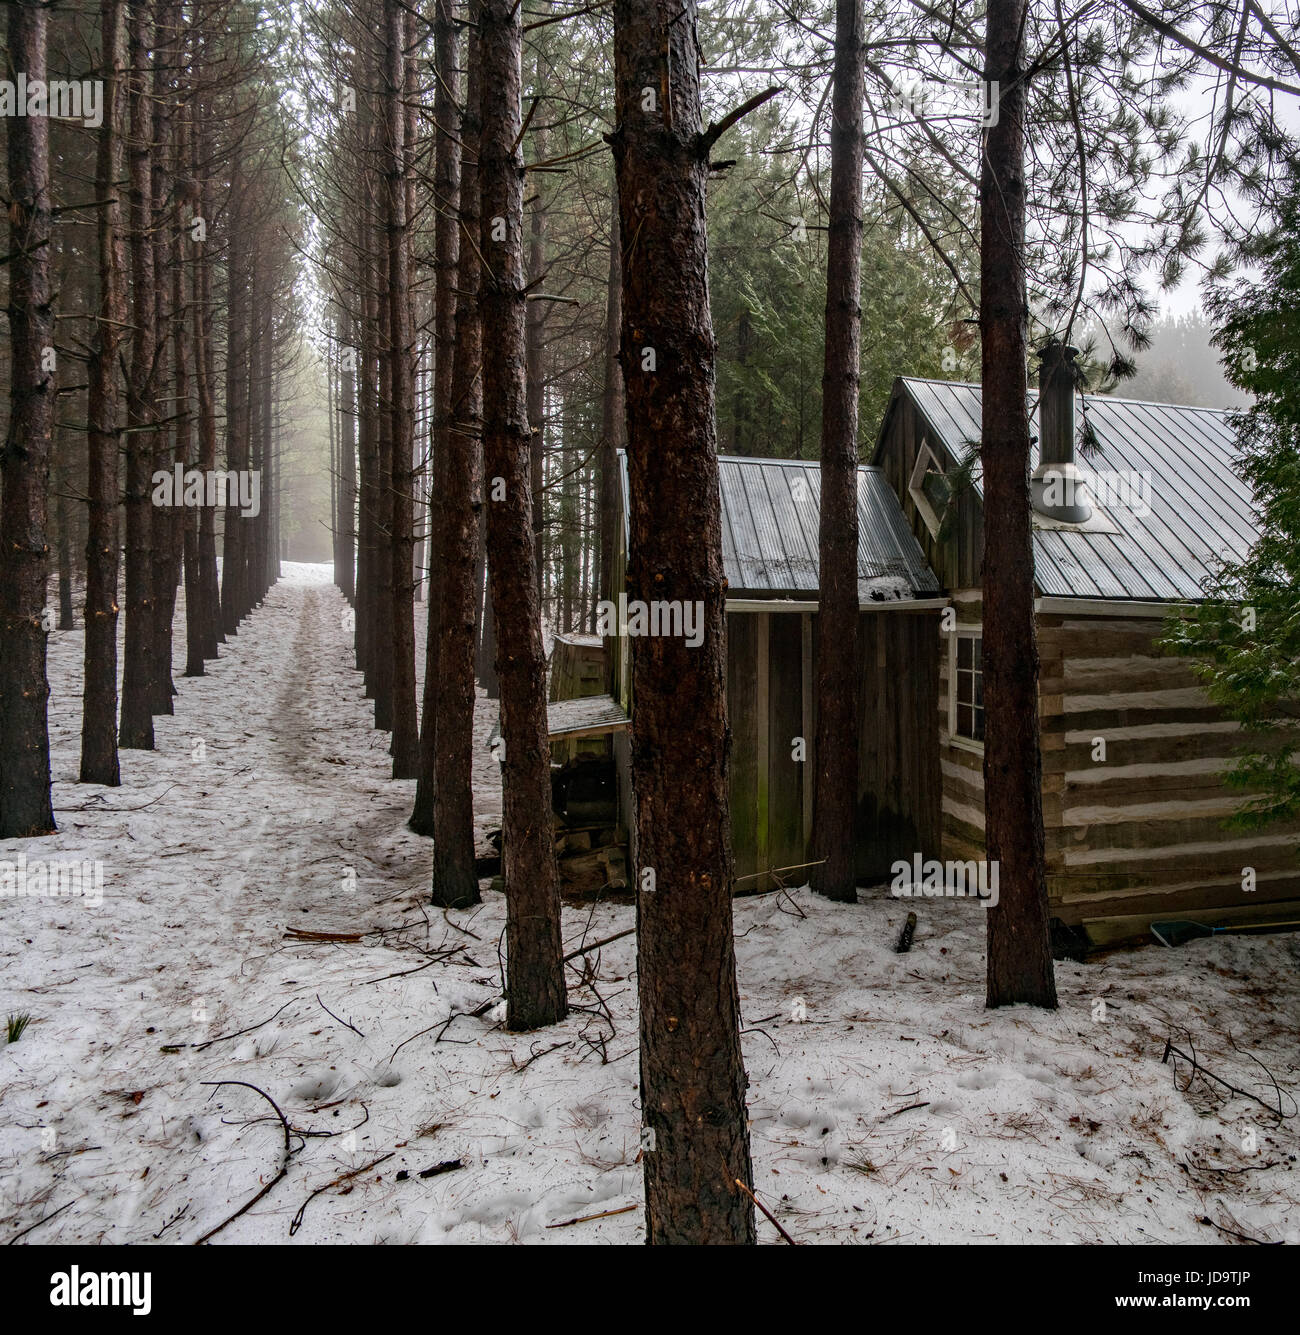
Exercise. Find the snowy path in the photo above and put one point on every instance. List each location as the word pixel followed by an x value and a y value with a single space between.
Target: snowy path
pixel 267 810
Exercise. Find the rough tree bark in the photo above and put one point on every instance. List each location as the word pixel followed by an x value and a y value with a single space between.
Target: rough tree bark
pixel 383 575
pixel 452 131
pixel 25 465
pixel 1019 944
pixel 535 993
pixel 692 1073
pixel 485 658
pixel 167 534
pixel 183 345
pixel 534 347
pixel 205 379
pixel 835 777
pixel 99 762
pixel 348 465
pixel 367 395
pixel 406 736
pixel 135 731
pixel 237 392
pixel 63 480
pixel 454 878
pixel 612 417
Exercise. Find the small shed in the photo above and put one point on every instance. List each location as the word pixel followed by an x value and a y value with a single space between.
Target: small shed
pixel 770 515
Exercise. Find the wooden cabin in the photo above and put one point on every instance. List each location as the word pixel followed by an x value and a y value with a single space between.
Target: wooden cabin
pixel 770 512
pixel 1133 750
pixel 1134 753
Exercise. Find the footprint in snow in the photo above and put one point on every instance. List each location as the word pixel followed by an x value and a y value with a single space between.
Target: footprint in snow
pixel 315 1087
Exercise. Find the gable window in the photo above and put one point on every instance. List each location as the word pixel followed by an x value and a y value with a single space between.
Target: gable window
pixel 966 685
pixel 929 488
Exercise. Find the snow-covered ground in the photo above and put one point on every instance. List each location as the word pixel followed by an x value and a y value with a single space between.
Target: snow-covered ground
pixel 896 1109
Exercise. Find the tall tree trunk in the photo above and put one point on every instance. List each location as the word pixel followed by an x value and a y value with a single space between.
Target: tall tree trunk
pixel 458 440
pixel 406 735
pixel 205 379
pixel 383 621
pixel 535 993
pixel 238 267
pixel 99 763
pixel 25 465
pixel 138 690
pixel 534 348
pixel 835 782
pixel 1019 944
pixel 260 461
pixel 331 410
pixel 611 426
pixel 485 661
pixel 456 343
pixel 348 464
pixel 182 344
pixel 367 400
pixel 66 621
pixel 165 258
pixel 692 1073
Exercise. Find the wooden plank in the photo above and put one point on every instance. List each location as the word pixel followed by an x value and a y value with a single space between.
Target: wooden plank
pixel 589 716
pixel 1135 926
pixel 809 727
pixel 763 729
pixel 1183 846
pixel 785 723
pixel 742 690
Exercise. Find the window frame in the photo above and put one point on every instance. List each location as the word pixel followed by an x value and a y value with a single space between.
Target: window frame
pixel 925 457
pixel 969 631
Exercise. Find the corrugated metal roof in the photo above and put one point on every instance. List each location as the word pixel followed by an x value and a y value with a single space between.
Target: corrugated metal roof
pixel 770 512
pixel 771 509
pixel 1198 506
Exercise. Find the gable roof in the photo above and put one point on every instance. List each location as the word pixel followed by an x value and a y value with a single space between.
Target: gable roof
pixel 1199 507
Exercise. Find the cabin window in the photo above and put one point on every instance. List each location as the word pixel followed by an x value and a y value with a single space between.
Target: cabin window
pixel 929 489
pixel 966 686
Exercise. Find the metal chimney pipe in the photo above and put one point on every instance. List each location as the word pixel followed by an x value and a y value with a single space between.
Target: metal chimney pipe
pixel 1057 487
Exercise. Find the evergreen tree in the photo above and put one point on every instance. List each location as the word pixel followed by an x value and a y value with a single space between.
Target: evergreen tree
pixel 1246 635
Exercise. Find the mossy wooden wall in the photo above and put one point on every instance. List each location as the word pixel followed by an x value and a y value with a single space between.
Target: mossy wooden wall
pixel 771 667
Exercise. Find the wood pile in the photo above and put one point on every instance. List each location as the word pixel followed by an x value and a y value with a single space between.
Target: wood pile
pixel 590 844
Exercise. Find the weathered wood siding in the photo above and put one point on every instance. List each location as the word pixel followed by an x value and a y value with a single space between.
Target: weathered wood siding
pixel 765 713
pixel 899 778
pixel 957 559
pixel 1142 829
pixel 577 670
pixel 770 703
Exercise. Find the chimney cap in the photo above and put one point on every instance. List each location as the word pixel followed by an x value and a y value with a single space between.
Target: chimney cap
pixel 1055 350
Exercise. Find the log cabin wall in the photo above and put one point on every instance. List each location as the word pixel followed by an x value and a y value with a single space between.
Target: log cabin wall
pixel 1134 801
pixel 1139 829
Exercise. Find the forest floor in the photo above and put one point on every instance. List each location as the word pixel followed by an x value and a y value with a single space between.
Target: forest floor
pixel 898 1110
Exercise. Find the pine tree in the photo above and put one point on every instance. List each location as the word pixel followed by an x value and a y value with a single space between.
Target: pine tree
pixel 1246 635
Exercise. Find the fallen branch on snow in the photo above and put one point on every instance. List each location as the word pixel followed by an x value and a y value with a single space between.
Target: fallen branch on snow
pixel 284 1162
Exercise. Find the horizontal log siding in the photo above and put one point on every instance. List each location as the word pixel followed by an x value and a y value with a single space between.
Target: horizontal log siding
pixel 1142 831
